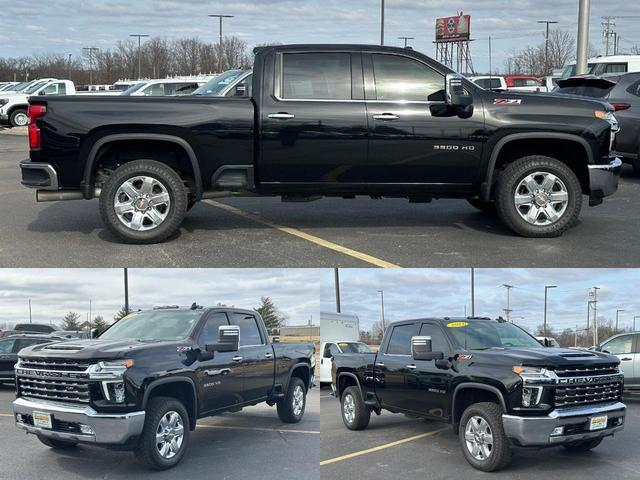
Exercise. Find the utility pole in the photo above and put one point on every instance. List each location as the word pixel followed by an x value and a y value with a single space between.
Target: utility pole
pixel 29 310
pixel 405 40
pixel 617 314
pixel 584 13
pixel 546 289
pixel 490 60
pixel 126 290
pixel 381 22
pixel 381 292
pixel 575 343
pixel 220 17
pixel 337 284
pixel 91 50
pixel 546 47
pixel 607 31
pixel 90 335
pixel 507 310
pixel 594 294
pixel 473 293
pixel 139 36
pixel 69 68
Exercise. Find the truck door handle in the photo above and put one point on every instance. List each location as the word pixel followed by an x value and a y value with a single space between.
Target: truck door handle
pixel 268 355
pixel 411 367
pixel 281 116
pixel 386 116
pixel 236 358
pixel 379 364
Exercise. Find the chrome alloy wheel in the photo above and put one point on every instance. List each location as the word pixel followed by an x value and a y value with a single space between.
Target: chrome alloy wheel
pixel 169 434
pixel 478 438
pixel 349 408
pixel 21 119
pixel 541 198
pixel 298 400
pixel 142 203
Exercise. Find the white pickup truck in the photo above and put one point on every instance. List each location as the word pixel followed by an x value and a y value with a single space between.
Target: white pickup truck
pixel 13 105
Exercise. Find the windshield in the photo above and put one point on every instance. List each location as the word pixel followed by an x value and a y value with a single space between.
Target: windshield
pixel 354 347
pixel 156 325
pixel 34 87
pixel 133 88
pixel 570 70
pixel 214 86
pixel 480 335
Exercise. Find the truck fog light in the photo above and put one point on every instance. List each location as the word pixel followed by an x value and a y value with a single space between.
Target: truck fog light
pixel 86 429
pixel 531 396
pixel 557 431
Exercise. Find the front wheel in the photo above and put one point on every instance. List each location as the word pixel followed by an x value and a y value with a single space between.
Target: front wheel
pixel 143 201
pixel 482 438
pixel 165 435
pixel 291 406
pixel 538 197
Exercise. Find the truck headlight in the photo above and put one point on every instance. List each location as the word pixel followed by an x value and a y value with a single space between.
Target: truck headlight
pixel 3 101
pixel 609 117
pixel 533 380
pixel 531 396
pixel 109 369
pixel 113 391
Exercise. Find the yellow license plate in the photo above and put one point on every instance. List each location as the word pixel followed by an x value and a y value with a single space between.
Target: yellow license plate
pixel 598 423
pixel 42 420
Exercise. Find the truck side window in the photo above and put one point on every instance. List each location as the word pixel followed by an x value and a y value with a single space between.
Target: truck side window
pixel 405 79
pixel 316 76
pixel 330 349
pixel 619 345
pixel 6 346
pixel 438 340
pixel 249 331
pixel 400 341
pixel 209 332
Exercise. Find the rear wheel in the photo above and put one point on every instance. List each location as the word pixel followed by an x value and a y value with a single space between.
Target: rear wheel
pixel 165 436
pixel 57 444
pixel 143 201
pixel 355 413
pixel 19 118
pixel 584 446
pixel 538 197
pixel 482 438
pixel 291 406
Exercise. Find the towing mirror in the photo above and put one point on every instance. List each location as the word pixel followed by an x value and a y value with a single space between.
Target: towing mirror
pixel 455 93
pixel 421 349
pixel 228 339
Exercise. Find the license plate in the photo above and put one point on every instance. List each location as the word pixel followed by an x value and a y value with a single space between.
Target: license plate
pixel 598 423
pixel 42 420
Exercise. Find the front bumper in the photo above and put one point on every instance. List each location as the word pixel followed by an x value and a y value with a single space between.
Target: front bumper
pixel 109 429
pixel 536 431
pixel 603 180
pixel 39 175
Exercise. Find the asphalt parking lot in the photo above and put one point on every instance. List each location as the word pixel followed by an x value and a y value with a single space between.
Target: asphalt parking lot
pixel 394 446
pixel 249 444
pixel 264 232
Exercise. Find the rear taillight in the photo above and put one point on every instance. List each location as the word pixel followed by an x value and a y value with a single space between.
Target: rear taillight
pixel 621 106
pixel 35 112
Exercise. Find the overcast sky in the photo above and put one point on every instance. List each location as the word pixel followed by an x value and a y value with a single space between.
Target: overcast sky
pixel 419 293
pixel 65 26
pixel 54 292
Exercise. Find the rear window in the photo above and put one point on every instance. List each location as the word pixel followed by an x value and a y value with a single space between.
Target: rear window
pixel 316 76
pixel 489 83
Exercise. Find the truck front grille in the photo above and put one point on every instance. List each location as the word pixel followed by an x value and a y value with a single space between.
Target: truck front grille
pixel 584 385
pixel 57 380
pixel 580 371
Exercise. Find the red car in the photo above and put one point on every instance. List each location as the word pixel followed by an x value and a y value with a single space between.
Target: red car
pixel 525 83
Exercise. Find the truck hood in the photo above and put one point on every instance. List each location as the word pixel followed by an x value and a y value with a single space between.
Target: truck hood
pixel 542 357
pixel 96 349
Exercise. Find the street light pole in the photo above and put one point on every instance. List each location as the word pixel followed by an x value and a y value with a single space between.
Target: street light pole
pixel 617 313
pixel 507 310
pixel 220 17
pixel 140 36
pixel 584 13
pixel 337 283
pixel 546 289
pixel 546 47
pixel 69 68
pixel 381 22
pixel 381 292
pixel 126 290
pixel 473 293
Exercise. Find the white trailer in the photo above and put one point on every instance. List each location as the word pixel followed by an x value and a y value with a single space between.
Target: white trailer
pixel 339 333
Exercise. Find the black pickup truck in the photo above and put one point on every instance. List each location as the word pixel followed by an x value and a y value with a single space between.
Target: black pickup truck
pixel 326 120
pixel 146 381
pixel 495 383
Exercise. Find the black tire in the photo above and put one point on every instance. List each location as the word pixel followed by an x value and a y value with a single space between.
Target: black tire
pixel 287 409
pixel 146 451
pixel 13 118
pixel 177 197
pixel 584 446
pixel 57 444
pixel 361 413
pixel 484 207
pixel 509 180
pixel 500 453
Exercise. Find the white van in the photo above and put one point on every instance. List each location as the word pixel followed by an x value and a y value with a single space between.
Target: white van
pixel 606 65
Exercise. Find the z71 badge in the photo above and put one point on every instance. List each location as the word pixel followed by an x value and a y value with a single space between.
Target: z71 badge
pixel 507 101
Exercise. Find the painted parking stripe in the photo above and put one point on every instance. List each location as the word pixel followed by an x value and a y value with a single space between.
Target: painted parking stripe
pixel 381 447
pixel 305 236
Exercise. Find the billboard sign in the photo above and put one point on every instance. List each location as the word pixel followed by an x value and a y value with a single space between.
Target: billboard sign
pixel 453 29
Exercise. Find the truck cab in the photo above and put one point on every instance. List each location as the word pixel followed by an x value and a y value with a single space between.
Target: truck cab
pixel 13 108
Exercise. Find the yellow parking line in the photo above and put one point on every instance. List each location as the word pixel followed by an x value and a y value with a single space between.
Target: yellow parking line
pixel 257 429
pixel 381 447
pixel 305 236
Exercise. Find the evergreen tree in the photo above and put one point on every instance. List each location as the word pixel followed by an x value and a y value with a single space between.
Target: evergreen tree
pixel 99 325
pixel 123 312
pixel 70 322
pixel 272 317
